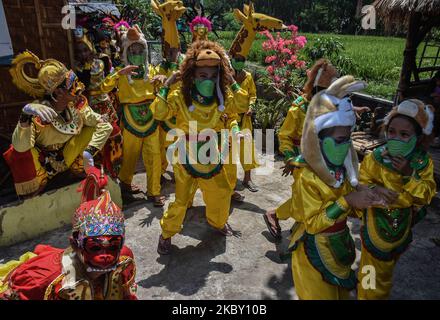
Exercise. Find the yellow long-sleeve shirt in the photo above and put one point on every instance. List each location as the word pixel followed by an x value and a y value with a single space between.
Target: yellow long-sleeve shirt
pixel 248 85
pixel 388 230
pixel 206 116
pixel 54 136
pixel 312 199
pixel 291 131
pixel 138 91
pixel 320 212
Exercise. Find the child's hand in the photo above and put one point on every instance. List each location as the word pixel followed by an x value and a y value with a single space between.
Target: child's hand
pixel 287 170
pixel 402 165
pixel 389 195
pixel 128 71
pixel 364 199
pixel 158 79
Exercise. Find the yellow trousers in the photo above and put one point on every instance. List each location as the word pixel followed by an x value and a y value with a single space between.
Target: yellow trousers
pixel 308 282
pixel 231 173
pixel 216 191
pixel 164 144
pixel 248 157
pixel 131 150
pixel 383 277
pixel 283 211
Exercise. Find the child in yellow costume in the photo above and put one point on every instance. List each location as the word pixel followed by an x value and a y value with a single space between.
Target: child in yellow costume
pixel 324 189
pixel 199 101
pixel 136 92
pixel 319 78
pixel 403 172
pixel 252 23
pixel 55 133
pixel 169 12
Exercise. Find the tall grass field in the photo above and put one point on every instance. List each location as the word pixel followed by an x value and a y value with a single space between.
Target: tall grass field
pixel 377 60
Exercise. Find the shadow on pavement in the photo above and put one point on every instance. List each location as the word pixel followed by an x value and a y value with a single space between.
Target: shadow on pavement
pixel 186 270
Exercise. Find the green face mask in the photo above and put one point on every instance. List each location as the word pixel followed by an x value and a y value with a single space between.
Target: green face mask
pixel 335 152
pixel 401 148
pixel 238 65
pixel 136 59
pixel 205 87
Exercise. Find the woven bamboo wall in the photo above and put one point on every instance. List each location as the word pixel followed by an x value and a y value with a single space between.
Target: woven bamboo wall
pixel 34 25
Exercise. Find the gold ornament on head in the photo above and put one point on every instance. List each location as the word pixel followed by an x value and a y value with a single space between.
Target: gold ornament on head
pixel 51 73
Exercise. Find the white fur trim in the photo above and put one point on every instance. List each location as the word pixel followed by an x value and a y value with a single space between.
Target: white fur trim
pixel 221 99
pixel 351 172
pixel 430 124
pixel 343 117
pixel 318 76
pixel 408 108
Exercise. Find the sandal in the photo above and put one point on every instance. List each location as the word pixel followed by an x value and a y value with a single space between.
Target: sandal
pixel 226 230
pixel 129 188
pixel 250 185
pixel 164 246
pixel 272 224
pixel 237 197
pixel 158 201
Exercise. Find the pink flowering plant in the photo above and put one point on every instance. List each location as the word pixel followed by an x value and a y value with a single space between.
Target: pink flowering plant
pixel 283 77
pixel 283 61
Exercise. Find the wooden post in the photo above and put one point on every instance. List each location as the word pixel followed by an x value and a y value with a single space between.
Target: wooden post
pixel 40 29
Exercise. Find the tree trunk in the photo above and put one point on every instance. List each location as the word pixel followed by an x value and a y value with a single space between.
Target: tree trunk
pixel 359 8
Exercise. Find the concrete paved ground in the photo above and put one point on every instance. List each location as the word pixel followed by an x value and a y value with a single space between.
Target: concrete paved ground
pixel 206 265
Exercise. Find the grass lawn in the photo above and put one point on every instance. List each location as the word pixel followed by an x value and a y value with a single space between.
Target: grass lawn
pixel 377 60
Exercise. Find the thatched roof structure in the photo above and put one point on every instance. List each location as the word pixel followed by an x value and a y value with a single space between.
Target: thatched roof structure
pixel 399 11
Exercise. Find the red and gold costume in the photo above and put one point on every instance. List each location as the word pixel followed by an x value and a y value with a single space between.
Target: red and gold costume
pixel 96 248
pixel 93 73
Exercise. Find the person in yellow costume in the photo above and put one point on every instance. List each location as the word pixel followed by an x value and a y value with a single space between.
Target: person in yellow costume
pixel 252 23
pixel 326 191
pixel 247 155
pixel 57 132
pixel 403 172
pixel 169 12
pixel 136 92
pixel 319 77
pixel 199 103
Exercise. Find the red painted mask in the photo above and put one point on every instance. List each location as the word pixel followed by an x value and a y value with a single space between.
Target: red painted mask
pixel 102 253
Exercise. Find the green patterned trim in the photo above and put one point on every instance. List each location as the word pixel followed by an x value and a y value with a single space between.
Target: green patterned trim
pixel 334 211
pixel 377 253
pixel 299 161
pixel 235 87
pixel 137 133
pixel 163 93
pixel 235 129
pixel 216 170
pixel 164 126
pixel 314 258
pixel 174 66
pixel 197 174
pixel 201 99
